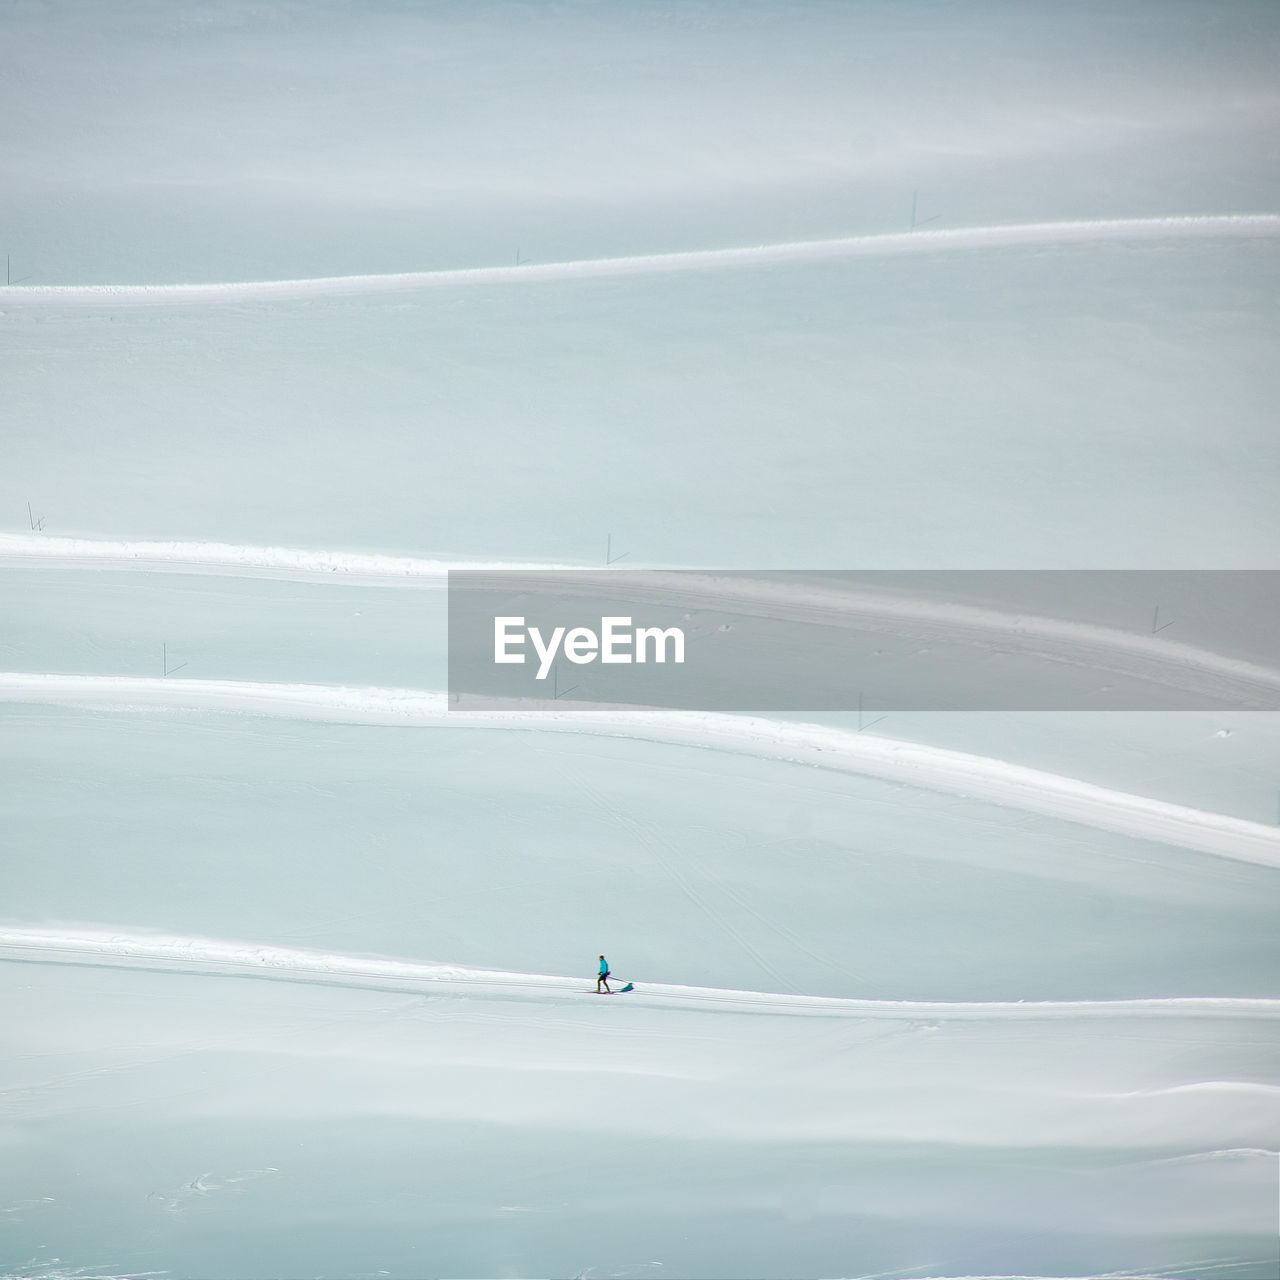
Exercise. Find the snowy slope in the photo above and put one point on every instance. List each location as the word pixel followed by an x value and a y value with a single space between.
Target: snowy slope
pixel 312 303
pixel 1030 407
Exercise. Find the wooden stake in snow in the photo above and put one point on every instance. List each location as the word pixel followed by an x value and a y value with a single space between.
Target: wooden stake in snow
pixel 165 668
pixel 862 726
pixel 557 692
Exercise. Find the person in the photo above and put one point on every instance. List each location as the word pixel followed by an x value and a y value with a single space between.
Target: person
pixel 603 979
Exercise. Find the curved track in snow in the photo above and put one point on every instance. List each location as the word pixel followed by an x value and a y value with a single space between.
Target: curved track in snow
pixel 229 559
pixel 848 247
pixel 1128 654
pixel 217 958
pixel 913 764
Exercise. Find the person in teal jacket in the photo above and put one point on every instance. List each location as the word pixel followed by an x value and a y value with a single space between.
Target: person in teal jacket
pixel 603 979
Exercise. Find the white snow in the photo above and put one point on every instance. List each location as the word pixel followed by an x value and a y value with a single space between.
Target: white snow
pixel 934 768
pixel 220 557
pixel 310 305
pixel 765 255
pixel 1151 658
pixel 216 958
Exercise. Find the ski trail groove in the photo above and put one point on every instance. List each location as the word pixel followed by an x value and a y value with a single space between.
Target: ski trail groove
pixel 927 767
pixel 1131 655
pixel 235 560
pixel 219 958
pixel 889 244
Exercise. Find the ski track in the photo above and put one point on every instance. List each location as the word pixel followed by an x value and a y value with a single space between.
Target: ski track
pixel 913 764
pixel 218 958
pixel 867 246
pixel 1147 658
pixel 37 550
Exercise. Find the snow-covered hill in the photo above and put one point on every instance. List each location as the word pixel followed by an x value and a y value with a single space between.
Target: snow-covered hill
pixel 308 304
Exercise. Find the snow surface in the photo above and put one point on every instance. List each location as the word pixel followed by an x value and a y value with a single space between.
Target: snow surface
pixel 910 242
pixel 934 768
pixel 314 303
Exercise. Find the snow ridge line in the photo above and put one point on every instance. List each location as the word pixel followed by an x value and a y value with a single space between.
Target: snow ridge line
pixel 927 767
pixel 1145 657
pixel 865 246
pixel 292 563
pixel 212 957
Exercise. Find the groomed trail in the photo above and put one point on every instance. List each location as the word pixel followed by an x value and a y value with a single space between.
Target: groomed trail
pixel 765 255
pixel 217 958
pixel 226 559
pixel 826 747
pixel 1153 659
